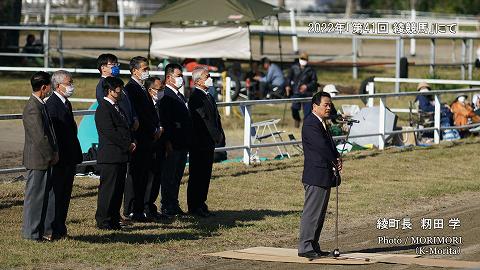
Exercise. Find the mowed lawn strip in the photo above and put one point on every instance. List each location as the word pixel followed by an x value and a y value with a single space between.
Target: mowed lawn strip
pixel 258 205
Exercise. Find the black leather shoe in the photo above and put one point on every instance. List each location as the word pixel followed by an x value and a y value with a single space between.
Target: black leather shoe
pixel 324 253
pixel 310 255
pixel 139 217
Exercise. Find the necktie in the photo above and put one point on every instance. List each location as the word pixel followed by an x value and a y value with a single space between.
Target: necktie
pixel 68 105
pixel 120 111
pixel 182 97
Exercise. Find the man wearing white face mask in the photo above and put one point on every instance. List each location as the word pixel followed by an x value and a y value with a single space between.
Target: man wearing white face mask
pixel 208 131
pixel 463 113
pixel 301 82
pixel 70 153
pixel 176 121
pixel 147 133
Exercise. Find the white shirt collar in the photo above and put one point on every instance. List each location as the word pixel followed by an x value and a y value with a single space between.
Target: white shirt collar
pixel 173 89
pixel 62 98
pixel 321 120
pixel 139 82
pixel 39 99
pixel 109 100
pixel 204 91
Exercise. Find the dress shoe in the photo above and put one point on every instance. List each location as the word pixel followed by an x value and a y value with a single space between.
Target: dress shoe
pixel 48 238
pixel 110 227
pixel 310 255
pixel 139 217
pixel 156 216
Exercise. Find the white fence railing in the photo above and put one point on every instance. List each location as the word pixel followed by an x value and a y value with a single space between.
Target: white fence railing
pixel 381 134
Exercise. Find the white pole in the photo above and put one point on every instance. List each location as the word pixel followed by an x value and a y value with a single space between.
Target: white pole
pixel 371 91
pixel 121 22
pixel 463 57
pixel 293 27
pixel 397 64
pixel 354 58
pixel 470 58
pixel 436 134
pixel 412 40
pixel 381 125
pixel 46 34
pixel 247 139
pixel 228 95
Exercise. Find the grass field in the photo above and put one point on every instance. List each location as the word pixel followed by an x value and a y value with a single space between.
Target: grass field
pixel 258 205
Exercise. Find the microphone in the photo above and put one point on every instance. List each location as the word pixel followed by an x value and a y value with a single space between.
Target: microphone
pixel 340 118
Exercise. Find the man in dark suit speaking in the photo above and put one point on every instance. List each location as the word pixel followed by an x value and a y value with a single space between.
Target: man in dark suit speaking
pixel 208 132
pixel 321 159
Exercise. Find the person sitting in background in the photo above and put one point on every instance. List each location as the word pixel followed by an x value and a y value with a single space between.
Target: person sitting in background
pixel 332 90
pixel 33 46
pixel 426 104
pixel 476 103
pixel 463 113
pixel 273 82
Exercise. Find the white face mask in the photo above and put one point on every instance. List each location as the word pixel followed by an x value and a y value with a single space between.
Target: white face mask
pixel 333 94
pixel 424 90
pixel 178 82
pixel 302 62
pixel 208 82
pixel 144 75
pixel 69 90
pixel 461 99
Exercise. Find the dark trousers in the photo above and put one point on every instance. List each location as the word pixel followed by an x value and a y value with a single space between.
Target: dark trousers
pixel 154 180
pixel 172 174
pixel 137 181
pixel 62 178
pixel 273 90
pixel 37 216
pixel 313 216
pixel 200 172
pixel 110 191
pixel 297 106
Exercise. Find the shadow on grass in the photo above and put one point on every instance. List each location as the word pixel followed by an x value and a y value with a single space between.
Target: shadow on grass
pixel 9 204
pixel 199 227
pixel 388 249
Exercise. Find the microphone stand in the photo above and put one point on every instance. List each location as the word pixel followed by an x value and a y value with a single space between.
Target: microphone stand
pixel 336 251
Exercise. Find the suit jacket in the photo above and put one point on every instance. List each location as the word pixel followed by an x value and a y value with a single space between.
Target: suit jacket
pixel 114 137
pixel 40 141
pixel 69 150
pixel 206 123
pixel 124 103
pixel 147 116
pixel 176 120
pixel 320 153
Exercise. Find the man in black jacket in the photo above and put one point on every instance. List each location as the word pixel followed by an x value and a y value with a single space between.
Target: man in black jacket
pixel 147 133
pixel 115 146
pixel 70 153
pixel 301 82
pixel 321 159
pixel 177 123
pixel 207 131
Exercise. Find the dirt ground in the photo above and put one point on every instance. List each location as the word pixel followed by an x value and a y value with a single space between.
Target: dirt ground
pixel 361 235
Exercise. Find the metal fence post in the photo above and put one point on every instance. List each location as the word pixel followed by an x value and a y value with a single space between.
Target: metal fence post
pixel 60 47
pixel 370 91
pixel 463 57
pixel 432 58
pixel 397 64
pixel 247 137
pixel 436 133
pixel 46 35
pixel 381 124
pixel 470 58
pixel 293 27
pixel 354 58
pixel 228 95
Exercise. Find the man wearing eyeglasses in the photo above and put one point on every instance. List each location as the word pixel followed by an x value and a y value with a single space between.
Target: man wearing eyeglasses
pixel 108 66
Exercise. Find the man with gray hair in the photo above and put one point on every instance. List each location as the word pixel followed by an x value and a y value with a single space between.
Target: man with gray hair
pixel 70 153
pixel 208 131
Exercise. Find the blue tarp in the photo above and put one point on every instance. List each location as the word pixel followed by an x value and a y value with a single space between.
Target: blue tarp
pixel 87 131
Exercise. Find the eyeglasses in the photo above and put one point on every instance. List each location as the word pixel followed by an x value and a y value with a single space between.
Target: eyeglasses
pixel 113 64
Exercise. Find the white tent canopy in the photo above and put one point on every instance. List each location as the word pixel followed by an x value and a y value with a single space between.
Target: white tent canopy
pixel 200 42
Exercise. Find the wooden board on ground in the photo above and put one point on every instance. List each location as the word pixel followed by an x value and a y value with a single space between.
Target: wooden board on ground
pixel 290 256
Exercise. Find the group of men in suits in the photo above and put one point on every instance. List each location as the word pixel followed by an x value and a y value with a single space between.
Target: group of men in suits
pixel 51 153
pixel 164 128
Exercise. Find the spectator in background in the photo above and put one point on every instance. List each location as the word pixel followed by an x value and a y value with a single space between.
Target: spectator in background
pixel 476 104
pixel 273 83
pixel 463 112
pixel 108 65
pixel 301 82
pixel 39 155
pixel 70 153
pixel 332 90
pixel 426 104
pixel 34 46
